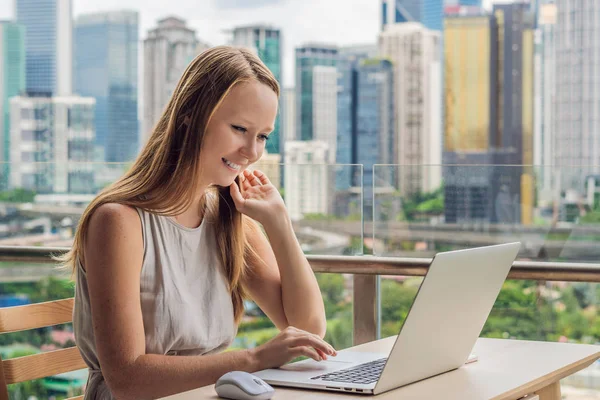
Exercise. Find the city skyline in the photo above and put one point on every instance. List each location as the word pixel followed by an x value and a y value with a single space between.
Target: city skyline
pixel 331 22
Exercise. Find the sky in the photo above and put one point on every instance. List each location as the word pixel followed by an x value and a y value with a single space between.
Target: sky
pixel 340 22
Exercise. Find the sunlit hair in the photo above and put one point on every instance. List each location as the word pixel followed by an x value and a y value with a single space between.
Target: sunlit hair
pixel 164 178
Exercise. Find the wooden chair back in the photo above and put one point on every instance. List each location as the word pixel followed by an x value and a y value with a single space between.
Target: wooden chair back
pixel 36 366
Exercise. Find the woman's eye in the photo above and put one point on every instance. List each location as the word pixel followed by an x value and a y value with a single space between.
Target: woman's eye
pixel 264 137
pixel 239 128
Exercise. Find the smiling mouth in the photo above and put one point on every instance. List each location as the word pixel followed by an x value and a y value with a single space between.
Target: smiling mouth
pixel 232 166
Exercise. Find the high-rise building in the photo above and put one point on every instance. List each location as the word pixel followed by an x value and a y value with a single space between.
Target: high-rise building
pixel 415 53
pixel 428 12
pixel 106 68
pixel 308 57
pixel 265 41
pixel 489 116
pixel 288 115
pixel 325 107
pixel 306 178
pixel 575 111
pixel 12 83
pixel 48 45
pixel 52 144
pixel 374 130
pixel 348 60
pixel 168 50
pixel 545 95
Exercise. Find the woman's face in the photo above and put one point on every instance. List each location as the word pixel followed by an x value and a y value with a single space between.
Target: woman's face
pixel 237 132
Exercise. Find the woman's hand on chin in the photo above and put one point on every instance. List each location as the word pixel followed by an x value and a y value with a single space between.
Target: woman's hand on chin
pixel 257 197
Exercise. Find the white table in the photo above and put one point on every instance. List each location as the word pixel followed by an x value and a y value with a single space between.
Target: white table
pixel 506 370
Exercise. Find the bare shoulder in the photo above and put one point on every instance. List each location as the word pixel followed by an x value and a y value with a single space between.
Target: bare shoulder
pixel 114 213
pixel 113 231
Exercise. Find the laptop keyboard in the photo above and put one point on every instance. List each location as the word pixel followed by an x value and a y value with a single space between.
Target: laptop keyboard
pixel 364 373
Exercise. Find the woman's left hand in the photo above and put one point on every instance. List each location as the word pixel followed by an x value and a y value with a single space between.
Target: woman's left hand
pixel 258 198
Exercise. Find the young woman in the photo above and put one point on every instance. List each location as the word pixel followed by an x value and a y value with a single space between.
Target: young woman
pixel 165 256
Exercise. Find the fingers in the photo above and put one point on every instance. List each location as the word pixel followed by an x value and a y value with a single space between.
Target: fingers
pixel 244 182
pixel 305 351
pixel 312 341
pixel 251 178
pixel 236 195
pixel 261 177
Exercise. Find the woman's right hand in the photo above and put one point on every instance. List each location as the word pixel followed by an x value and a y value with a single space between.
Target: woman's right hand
pixel 289 344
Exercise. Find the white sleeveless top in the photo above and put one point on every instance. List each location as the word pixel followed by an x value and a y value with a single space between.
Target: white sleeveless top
pixel 186 306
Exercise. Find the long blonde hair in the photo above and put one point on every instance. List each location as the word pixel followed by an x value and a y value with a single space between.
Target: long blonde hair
pixel 165 175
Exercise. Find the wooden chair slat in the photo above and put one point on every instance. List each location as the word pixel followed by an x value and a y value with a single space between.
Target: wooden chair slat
pixel 41 365
pixel 32 316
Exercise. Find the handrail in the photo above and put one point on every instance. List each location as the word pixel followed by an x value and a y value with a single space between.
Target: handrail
pixel 370 265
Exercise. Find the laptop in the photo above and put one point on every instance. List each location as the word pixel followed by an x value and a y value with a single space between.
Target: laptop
pixel 438 334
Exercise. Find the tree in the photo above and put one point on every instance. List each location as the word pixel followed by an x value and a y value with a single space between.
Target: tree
pixel 17 196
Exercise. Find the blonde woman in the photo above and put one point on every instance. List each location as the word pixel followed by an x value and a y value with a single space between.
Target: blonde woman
pixel 165 256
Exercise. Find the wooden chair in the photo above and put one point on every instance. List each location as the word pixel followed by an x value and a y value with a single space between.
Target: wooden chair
pixel 32 316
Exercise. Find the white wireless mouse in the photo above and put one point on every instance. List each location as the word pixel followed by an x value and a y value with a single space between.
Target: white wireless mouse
pixel 240 385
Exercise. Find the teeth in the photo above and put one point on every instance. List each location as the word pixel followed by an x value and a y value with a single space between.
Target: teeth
pixel 232 165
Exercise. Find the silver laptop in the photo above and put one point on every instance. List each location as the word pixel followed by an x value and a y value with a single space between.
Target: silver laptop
pixel 439 332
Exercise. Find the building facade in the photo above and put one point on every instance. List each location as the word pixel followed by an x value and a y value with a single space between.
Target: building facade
pixel 106 68
pixel 168 50
pixel 415 53
pixel 489 116
pixel 576 116
pixel 545 96
pixel 428 12
pixel 52 144
pixel 324 94
pixel 308 57
pixel 48 45
pixel 307 178
pixel 12 83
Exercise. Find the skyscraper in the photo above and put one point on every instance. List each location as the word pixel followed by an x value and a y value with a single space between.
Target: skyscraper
pixel 324 93
pixel 265 41
pixel 12 83
pixel 348 60
pixel 428 12
pixel 374 130
pixel 415 53
pixel 575 117
pixel 308 57
pixel 106 68
pixel 545 96
pixel 489 116
pixel 168 50
pixel 288 115
pixel 48 45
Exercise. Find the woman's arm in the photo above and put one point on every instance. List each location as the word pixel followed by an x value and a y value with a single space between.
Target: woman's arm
pixel 113 261
pixel 283 285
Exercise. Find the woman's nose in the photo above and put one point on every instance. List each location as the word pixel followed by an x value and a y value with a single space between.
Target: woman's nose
pixel 250 150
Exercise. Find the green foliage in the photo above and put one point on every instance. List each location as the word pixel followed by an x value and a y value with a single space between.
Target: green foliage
pixel 258 323
pixel 332 290
pixel 24 390
pixel 396 300
pixel 339 330
pixel 431 203
pixel 592 217
pixel 17 196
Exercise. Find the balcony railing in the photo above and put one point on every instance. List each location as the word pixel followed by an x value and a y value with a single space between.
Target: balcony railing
pixel 365 270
